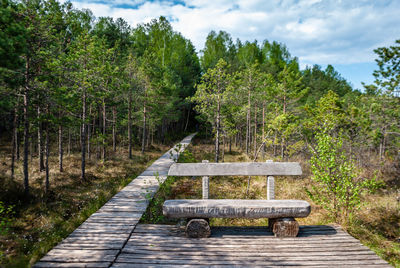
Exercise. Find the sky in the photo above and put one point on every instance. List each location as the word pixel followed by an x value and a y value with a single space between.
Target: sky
pixel 342 33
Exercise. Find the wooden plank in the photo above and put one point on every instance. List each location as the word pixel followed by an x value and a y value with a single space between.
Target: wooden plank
pixel 42 264
pixel 141 265
pixel 249 247
pixel 265 262
pixel 235 169
pixel 304 257
pixel 249 254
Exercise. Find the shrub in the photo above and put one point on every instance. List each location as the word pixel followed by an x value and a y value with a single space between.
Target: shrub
pixel 338 186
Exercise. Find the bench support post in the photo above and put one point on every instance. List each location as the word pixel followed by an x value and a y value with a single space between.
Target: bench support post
pixel 205 182
pixel 198 228
pixel 284 227
pixel 270 185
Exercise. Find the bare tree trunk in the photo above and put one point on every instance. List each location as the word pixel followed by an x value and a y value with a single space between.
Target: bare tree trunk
pixel 47 152
pixel 89 134
pixel 130 125
pixel 26 130
pixel 230 145
pixel 248 125
pixel 144 128
pixel 223 147
pixel 187 118
pixel 83 135
pixel 40 140
pixel 17 140
pixel 69 141
pixel 14 140
pixel 218 130
pixel 255 130
pixel 114 131
pixel 60 148
pixel 103 154
pixel 263 130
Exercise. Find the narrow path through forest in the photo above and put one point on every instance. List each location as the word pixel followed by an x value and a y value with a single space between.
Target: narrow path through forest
pixel 100 239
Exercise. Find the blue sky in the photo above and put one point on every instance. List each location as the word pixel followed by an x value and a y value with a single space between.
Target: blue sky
pixel 338 32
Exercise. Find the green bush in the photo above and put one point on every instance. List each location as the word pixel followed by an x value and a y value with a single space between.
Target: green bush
pixel 338 186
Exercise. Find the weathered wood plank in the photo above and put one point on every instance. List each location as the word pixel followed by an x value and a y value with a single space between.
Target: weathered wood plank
pixel 249 254
pixel 265 262
pixel 235 169
pixel 42 264
pixel 235 208
pixel 141 265
pixel 305 257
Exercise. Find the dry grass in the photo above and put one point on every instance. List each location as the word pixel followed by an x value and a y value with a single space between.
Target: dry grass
pixel 45 219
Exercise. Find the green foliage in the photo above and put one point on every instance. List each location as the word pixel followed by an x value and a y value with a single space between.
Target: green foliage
pixel 6 215
pixel 338 186
pixel 387 77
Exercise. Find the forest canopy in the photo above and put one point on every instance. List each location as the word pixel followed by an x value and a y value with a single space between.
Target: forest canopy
pixel 66 75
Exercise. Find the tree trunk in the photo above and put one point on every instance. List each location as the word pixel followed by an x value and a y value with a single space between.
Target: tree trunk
pixel 69 141
pixel 248 124
pixel 14 140
pixel 17 140
pixel 223 147
pixel 255 130
pixel 187 118
pixel 89 134
pixel 144 128
pixel 218 130
pixel 103 154
pixel 114 131
pixel 130 125
pixel 47 152
pixel 263 130
pixel 83 135
pixel 40 140
pixel 26 131
pixel 148 138
pixel 60 148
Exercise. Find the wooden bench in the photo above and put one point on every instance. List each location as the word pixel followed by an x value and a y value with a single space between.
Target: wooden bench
pixel 281 213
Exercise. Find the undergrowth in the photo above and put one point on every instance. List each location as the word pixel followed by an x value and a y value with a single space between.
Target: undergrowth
pixel 29 229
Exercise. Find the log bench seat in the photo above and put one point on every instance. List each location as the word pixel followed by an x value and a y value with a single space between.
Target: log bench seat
pixel 281 214
pixel 235 208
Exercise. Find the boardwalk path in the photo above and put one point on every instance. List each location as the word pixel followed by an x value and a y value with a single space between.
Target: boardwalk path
pixel 100 239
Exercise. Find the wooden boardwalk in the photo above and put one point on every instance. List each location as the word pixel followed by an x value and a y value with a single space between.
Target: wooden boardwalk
pixel 101 238
pixel 112 237
pixel 316 246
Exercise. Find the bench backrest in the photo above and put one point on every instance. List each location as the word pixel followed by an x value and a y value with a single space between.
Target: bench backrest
pixel 206 169
pixel 236 169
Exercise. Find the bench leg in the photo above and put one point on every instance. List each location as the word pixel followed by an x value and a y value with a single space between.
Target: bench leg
pixel 198 228
pixel 284 227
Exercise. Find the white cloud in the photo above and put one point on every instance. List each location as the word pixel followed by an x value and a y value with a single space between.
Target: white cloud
pixel 318 32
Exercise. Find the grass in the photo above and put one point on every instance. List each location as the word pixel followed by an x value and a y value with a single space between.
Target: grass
pixel 39 224
pixel 376 224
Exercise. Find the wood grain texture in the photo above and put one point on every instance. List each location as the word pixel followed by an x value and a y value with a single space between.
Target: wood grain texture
pixel 235 208
pixel 316 246
pixel 235 169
